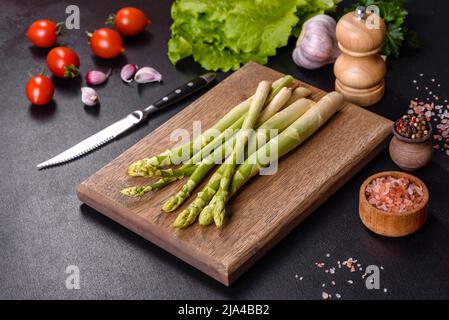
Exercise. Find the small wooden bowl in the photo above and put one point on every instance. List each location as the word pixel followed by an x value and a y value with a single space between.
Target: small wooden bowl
pixel 391 224
pixel 411 154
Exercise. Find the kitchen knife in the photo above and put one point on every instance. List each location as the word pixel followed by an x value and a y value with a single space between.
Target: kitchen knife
pixel 132 120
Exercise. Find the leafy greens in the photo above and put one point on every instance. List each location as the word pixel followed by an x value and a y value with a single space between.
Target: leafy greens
pixel 223 34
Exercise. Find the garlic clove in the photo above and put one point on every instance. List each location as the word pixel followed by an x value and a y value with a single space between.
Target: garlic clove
pixel 128 71
pixel 95 77
pixel 147 74
pixel 317 44
pixel 89 96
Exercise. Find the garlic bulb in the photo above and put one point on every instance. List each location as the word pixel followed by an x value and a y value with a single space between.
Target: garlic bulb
pixel 317 44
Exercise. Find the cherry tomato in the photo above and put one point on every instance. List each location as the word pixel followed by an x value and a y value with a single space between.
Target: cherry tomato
pixel 63 62
pixel 40 90
pixel 43 33
pixel 106 43
pixel 130 21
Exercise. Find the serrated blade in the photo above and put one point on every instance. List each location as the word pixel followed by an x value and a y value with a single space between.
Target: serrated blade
pixel 94 142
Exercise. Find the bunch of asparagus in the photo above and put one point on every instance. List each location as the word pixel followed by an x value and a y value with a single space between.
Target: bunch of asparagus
pixel 281 118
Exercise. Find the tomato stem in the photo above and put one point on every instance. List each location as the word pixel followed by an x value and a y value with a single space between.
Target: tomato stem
pixel 111 19
pixel 71 71
pixel 59 28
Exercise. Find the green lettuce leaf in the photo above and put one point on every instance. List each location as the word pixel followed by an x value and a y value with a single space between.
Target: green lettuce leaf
pixel 224 34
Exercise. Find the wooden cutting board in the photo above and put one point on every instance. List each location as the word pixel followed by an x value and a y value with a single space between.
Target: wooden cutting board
pixel 267 208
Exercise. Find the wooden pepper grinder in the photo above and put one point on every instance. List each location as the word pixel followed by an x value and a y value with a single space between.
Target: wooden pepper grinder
pixel 360 69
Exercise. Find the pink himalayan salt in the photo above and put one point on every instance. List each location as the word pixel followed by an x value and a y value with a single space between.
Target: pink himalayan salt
pixel 394 194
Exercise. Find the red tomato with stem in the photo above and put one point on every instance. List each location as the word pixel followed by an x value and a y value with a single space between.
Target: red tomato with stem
pixel 106 43
pixel 39 90
pixel 43 33
pixel 63 62
pixel 131 21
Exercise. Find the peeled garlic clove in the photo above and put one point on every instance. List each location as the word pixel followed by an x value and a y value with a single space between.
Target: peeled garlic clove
pixel 147 74
pixel 317 45
pixel 128 71
pixel 94 77
pixel 89 96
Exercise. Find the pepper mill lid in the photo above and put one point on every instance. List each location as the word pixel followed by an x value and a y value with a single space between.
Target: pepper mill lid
pixel 360 33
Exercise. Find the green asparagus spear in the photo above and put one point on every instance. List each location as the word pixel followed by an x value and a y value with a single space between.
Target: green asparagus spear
pixel 198 174
pixel 220 198
pixel 256 106
pixel 145 167
pixel 189 215
pixel 289 139
pixel 280 121
pixel 139 191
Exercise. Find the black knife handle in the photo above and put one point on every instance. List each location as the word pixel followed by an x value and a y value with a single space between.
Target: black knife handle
pixel 180 93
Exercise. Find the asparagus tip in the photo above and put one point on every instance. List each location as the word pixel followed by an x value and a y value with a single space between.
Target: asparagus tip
pixel 131 192
pixel 171 204
pixel 206 216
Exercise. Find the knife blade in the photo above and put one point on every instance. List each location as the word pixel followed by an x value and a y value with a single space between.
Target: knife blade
pixel 132 120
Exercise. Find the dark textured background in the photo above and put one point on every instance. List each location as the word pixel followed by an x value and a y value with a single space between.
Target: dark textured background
pixel 44 228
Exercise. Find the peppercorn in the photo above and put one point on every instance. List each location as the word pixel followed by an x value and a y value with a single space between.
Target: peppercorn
pixel 412 127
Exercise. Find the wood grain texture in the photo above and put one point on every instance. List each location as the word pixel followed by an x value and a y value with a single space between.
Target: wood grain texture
pixel 393 224
pixel 410 156
pixel 360 70
pixel 267 208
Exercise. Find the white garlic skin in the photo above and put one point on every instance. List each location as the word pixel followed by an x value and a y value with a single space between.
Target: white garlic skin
pixel 89 96
pixel 147 74
pixel 317 44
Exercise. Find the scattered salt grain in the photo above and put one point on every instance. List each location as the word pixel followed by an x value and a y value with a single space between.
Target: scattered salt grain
pixel 350 281
pixel 300 278
pixel 323 285
pixel 338 295
pixel 325 295
pixel 333 283
pixel 385 290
